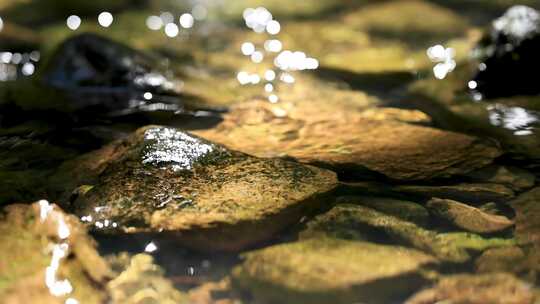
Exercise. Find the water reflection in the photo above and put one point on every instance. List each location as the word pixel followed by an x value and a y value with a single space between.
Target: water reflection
pixel 519 120
pixel 444 57
pixel 15 65
pixel 260 20
pixel 60 250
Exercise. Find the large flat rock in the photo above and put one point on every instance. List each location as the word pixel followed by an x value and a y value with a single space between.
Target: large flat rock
pixel 162 180
pixel 354 143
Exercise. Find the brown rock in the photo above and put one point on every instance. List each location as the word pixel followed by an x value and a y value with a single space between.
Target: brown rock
pixel 162 180
pixel 352 143
pixel 468 218
pixel 527 207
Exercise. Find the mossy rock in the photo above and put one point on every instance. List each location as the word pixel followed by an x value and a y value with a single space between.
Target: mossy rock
pixel 329 270
pixel 164 181
pixel 349 221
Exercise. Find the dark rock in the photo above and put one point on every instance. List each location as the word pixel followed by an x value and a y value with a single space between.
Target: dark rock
pixel 162 180
pixel 467 217
pixel 509 55
pixel 99 73
pixel 470 193
pixel 515 178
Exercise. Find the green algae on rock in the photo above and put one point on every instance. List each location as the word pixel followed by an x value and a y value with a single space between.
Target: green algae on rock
pixel 164 181
pixel 330 270
pixel 495 288
pixel 467 217
pixel 357 143
pixel 358 222
pixel 142 282
pixel 48 257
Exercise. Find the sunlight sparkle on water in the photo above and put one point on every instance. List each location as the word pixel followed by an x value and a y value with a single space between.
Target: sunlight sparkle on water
pixel 171 30
pixel 444 57
pixel 154 23
pixel 260 20
pixel 105 19
pixel 73 22
pixel 186 20
pixel 150 247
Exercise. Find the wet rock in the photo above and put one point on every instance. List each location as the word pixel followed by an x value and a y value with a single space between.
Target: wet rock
pixel 357 222
pixel 511 48
pixel 397 150
pixel 50 257
pixel 405 210
pixel 331 271
pixel 143 282
pixel 162 180
pixel 515 178
pixel 471 193
pixel 98 73
pixel 94 78
pixel 477 289
pixel 468 218
pixel 527 213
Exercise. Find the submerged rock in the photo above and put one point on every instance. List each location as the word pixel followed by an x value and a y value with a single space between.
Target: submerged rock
pixel 471 193
pixel 499 288
pixel 405 210
pixel 478 194
pixel 162 180
pixel 353 144
pixel 467 217
pixel 143 282
pixel 48 257
pixel 515 178
pixel 527 214
pixel 524 262
pixel 510 49
pixel 348 221
pixel 331 271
